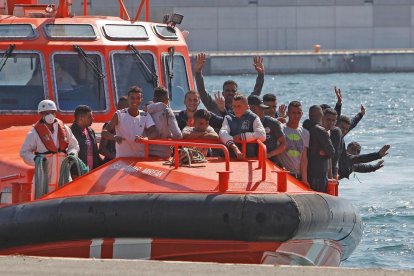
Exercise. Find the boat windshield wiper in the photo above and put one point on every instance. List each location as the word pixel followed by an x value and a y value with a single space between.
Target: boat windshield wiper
pixel 170 65
pixel 89 61
pixel 6 55
pixel 141 59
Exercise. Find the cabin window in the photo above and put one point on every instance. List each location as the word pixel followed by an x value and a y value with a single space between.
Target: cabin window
pixel 22 81
pixel 176 80
pixel 166 32
pixel 120 32
pixel 130 71
pixel 70 31
pixel 17 31
pixel 78 82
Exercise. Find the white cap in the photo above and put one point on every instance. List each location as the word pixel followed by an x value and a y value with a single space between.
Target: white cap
pixel 46 105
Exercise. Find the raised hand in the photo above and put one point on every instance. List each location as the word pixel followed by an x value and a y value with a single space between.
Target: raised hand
pixel 200 60
pixel 282 110
pixel 220 102
pixel 384 150
pixel 362 111
pixel 258 64
pixel 379 165
pixel 338 96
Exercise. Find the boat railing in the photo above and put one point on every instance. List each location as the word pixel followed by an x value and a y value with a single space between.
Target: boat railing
pixel 224 176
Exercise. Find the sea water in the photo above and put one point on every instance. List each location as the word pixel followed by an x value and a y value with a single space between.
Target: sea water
pixel 385 198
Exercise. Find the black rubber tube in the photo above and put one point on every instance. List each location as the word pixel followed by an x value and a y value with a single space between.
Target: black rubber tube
pixel 278 217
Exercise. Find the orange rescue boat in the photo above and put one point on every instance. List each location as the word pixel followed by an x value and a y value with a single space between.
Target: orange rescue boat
pixel 222 210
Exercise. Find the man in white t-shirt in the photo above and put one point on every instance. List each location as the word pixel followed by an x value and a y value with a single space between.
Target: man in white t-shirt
pixel 295 157
pixel 130 125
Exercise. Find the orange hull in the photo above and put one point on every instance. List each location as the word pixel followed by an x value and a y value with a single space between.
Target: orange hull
pixel 306 252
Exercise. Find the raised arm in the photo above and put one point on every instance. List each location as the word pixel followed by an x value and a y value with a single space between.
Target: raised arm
pixel 367 168
pixel 205 97
pixel 259 67
pixel 338 105
pixel 357 118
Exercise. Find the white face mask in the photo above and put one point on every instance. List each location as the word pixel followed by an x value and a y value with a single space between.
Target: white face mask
pixel 49 118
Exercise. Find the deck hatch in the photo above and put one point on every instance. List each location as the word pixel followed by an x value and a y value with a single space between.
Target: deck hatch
pixel 17 31
pixel 125 32
pixel 70 31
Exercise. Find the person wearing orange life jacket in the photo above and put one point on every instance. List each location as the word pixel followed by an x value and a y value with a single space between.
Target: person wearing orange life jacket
pixel 50 138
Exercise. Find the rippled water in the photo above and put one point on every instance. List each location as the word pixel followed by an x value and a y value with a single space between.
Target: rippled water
pixel 385 199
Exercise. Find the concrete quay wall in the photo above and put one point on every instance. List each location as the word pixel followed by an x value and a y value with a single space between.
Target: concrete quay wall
pixel 257 25
pixel 294 62
pixel 21 265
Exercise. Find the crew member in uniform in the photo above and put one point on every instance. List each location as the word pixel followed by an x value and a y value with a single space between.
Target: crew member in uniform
pixel 50 138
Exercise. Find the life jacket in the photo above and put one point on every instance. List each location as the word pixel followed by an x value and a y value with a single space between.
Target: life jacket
pixel 46 136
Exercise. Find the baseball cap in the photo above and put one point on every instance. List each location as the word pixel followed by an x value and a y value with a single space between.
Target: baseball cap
pixel 256 100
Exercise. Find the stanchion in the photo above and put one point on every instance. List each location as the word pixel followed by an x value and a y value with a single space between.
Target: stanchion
pixel 224 178
pixel 282 181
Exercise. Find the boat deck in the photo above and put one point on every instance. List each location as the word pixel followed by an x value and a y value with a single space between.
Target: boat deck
pixel 130 175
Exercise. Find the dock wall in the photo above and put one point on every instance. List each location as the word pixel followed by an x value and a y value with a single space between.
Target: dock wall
pixel 263 25
pixel 294 62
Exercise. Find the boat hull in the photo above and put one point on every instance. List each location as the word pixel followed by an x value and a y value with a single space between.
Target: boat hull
pixel 222 221
pixel 300 252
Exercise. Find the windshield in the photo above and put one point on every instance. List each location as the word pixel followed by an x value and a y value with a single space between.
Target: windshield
pixel 78 83
pixel 179 84
pixel 130 72
pixel 21 82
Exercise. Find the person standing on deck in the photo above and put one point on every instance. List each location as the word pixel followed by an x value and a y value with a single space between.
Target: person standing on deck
pixel 185 118
pixel 229 87
pixel 355 162
pixel 320 151
pixel 273 111
pixel 275 139
pixel 107 147
pixel 242 126
pixel 81 128
pixel 295 157
pixel 164 120
pixel 51 139
pixel 130 125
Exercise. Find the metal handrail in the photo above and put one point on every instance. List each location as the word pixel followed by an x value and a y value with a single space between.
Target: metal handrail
pixel 261 155
pixel 224 175
pixel 187 143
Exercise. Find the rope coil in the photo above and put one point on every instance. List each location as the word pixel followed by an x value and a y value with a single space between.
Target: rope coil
pixel 41 178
